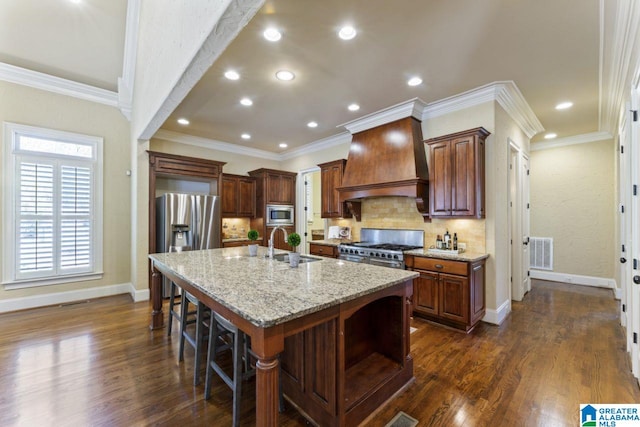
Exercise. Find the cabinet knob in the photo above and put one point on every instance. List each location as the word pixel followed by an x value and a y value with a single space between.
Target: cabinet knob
pixel 439 266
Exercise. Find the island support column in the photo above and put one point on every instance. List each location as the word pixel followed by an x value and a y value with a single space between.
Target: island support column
pixel 157 317
pixel 267 344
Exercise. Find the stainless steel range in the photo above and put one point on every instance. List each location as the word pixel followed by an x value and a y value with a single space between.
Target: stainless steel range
pixel 382 247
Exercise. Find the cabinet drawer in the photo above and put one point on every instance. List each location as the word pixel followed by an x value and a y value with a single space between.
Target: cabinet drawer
pixel 323 250
pixel 441 265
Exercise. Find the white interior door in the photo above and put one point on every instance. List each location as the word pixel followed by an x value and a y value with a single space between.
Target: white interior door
pixel 624 204
pixel 514 235
pixel 633 307
pixel 525 208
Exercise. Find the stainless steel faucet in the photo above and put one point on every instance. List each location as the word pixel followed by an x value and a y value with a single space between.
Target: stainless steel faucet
pixel 271 239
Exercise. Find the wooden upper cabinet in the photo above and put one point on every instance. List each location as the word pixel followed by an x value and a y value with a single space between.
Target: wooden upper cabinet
pixel 238 196
pixel 456 174
pixel 331 178
pixel 275 186
pixel 183 166
pixel 281 188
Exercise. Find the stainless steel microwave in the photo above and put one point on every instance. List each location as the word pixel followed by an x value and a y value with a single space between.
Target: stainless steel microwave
pixel 279 215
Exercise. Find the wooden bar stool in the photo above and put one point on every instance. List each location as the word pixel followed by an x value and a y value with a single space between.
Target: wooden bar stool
pixel 224 335
pixel 201 317
pixel 174 313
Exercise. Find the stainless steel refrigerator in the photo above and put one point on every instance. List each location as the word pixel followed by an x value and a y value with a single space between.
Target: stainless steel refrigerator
pixel 186 222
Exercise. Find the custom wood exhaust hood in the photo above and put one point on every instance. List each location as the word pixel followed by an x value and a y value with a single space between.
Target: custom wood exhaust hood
pixel 387 160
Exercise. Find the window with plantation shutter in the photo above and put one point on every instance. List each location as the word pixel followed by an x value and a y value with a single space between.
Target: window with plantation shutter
pixel 54 231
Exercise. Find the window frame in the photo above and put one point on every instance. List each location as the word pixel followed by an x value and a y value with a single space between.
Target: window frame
pixel 12 156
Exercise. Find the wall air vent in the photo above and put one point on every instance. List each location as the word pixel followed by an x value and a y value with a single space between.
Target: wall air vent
pixel 541 254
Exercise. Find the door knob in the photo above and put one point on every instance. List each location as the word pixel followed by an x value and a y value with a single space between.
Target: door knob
pixel 636 280
pixel 623 260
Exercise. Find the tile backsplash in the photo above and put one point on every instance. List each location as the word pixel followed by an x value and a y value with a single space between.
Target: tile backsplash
pixel 233 228
pixel 401 213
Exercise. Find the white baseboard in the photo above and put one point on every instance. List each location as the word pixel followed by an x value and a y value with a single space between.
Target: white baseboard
pixel 54 298
pixel 599 282
pixel 618 293
pixel 139 294
pixel 496 317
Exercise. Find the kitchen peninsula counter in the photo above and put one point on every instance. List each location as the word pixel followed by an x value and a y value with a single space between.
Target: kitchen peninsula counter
pixel 355 315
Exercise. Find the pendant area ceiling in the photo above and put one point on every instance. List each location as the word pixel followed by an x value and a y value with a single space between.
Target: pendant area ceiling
pixel 549 48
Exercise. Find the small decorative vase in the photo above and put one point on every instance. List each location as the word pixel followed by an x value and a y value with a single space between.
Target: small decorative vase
pixel 253 249
pixel 294 259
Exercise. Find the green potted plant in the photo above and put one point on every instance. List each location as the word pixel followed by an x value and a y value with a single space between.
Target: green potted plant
pixel 253 247
pixel 294 241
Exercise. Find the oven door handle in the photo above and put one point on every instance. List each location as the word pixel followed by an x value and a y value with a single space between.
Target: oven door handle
pixel 352 258
pixel 392 264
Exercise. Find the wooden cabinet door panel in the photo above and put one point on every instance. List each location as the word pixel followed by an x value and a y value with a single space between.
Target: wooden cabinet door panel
pixel 321 350
pixel 478 307
pixel 463 176
pixel 279 242
pixel 425 293
pixel 229 197
pixel 287 189
pixel 440 179
pixel 246 195
pixel 331 179
pixel 273 188
pixel 454 298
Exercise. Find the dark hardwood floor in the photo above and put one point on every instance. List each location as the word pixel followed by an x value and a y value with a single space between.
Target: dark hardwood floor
pixel 96 363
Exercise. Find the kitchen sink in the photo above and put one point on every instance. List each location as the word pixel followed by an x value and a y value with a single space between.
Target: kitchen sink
pixel 285 258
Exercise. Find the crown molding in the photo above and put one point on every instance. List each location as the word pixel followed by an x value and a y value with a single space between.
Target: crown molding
pixel 36 80
pixel 321 144
pixel 212 144
pixel 506 93
pixel 126 82
pixel 622 62
pixel 571 140
pixel 411 108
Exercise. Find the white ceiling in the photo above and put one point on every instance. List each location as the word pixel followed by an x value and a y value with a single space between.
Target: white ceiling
pixel 82 42
pixel 549 48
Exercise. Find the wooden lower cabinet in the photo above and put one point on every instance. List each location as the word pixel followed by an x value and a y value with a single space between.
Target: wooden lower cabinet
pixel 341 370
pixel 279 241
pixel 328 251
pixel 449 292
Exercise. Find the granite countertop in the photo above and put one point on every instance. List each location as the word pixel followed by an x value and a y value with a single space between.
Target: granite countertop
pixel 464 256
pixel 238 239
pixel 269 292
pixel 330 242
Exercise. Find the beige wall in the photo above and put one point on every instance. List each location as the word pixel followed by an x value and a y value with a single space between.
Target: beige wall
pixel 23 105
pixel 573 201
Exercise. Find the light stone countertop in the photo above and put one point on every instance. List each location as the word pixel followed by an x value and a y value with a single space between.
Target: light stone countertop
pixel 464 256
pixel 330 242
pixel 269 292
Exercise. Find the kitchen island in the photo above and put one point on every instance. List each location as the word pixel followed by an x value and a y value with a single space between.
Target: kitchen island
pixel 342 327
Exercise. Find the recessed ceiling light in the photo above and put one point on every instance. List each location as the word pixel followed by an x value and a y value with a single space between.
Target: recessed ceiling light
pixel 245 136
pixel 550 136
pixel 272 34
pixel 353 107
pixel 347 32
pixel 312 124
pixel 414 81
pixel 285 75
pixel 564 105
pixel 246 102
pixel 282 145
pixel 232 75
pixel 183 121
